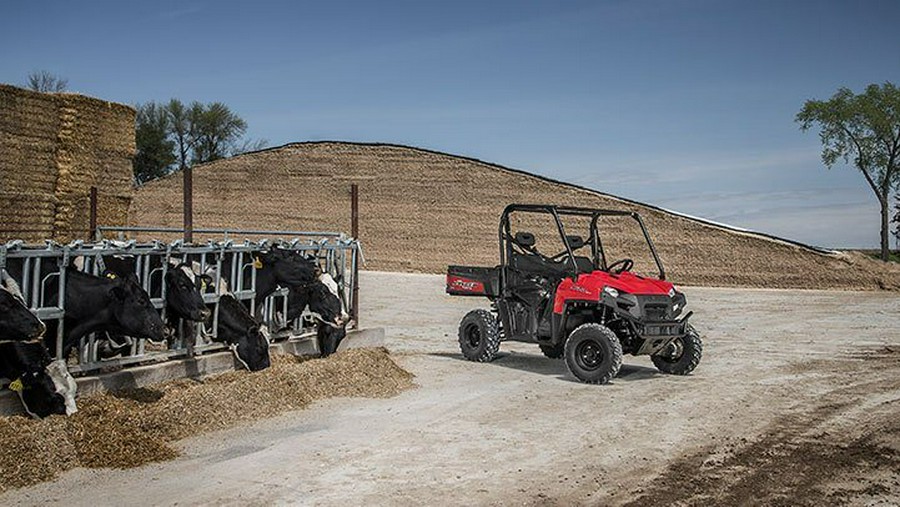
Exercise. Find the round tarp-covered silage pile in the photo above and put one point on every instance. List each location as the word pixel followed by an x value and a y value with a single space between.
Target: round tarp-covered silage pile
pixel 135 427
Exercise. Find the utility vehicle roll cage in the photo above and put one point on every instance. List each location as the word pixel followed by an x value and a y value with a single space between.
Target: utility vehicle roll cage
pixel 598 257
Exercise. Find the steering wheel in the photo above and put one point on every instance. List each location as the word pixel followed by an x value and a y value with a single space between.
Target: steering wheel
pixel 626 265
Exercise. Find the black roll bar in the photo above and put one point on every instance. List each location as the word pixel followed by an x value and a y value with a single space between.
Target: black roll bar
pixel 556 211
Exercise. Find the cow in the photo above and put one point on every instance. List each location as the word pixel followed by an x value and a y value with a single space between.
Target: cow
pixel 277 267
pixel 16 320
pixel 241 332
pixel 110 304
pixel 44 387
pixel 183 287
pixel 320 300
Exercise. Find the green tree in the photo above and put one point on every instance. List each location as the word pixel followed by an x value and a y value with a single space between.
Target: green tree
pixel 44 81
pixel 183 127
pixel 217 132
pixel 155 150
pixel 864 129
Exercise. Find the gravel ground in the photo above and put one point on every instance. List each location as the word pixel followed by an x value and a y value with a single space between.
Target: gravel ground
pixel 795 402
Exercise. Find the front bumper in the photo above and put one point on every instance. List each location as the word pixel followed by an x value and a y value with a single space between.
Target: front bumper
pixel 657 335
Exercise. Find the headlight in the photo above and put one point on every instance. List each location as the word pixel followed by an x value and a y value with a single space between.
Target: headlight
pixel 612 292
pixel 672 292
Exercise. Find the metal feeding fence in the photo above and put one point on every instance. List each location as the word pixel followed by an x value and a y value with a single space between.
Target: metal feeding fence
pixel 42 280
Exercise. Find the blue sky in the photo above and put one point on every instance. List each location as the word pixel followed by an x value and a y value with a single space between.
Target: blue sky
pixel 687 104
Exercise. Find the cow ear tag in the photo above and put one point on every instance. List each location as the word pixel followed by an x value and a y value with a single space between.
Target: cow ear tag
pixel 257 263
pixel 16 385
pixel 111 276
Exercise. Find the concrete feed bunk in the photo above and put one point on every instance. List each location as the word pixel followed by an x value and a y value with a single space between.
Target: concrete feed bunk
pixel 421 210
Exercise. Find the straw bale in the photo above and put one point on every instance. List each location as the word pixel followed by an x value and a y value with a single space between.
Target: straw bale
pixel 137 426
pixel 59 145
pixel 422 210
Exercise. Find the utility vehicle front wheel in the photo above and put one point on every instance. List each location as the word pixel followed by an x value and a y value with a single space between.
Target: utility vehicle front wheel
pixel 479 336
pixel 554 351
pixel 682 355
pixel 593 353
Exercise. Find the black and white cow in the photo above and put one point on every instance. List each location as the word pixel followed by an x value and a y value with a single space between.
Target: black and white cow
pixel 27 364
pixel 235 326
pixel 320 300
pixel 277 267
pixel 16 320
pixel 44 386
pixel 107 304
pixel 183 296
pixel 241 332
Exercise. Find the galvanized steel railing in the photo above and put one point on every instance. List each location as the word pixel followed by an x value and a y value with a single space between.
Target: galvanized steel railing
pixel 336 254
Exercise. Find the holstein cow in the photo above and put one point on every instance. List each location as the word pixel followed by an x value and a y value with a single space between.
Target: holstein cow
pixel 44 387
pixel 236 327
pixel 183 295
pixel 109 304
pixel 320 300
pixel 275 268
pixel 16 320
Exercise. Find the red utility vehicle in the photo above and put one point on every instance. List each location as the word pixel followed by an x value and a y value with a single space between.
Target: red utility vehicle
pixel 574 304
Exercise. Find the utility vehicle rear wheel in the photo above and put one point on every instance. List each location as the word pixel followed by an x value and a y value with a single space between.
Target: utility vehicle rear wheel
pixel 593 353
pixel 479 336
pixel 682 355
pixel 554 351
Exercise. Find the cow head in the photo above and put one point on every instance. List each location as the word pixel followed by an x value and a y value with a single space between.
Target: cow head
pixel 16 320
pixel 328 308
pixel 26 364
pixel 133 311
pixel 183 293
pixel 288 267
pixel 252 349
pixel 38 394
pixel 242 333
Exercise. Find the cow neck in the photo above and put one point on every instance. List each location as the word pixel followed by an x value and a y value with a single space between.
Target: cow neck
pixel 265 283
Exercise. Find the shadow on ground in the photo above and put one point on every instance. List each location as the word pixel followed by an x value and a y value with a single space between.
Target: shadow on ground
pixel 541 365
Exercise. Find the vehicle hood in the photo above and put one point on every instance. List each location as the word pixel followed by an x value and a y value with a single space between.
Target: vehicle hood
pixel 625 282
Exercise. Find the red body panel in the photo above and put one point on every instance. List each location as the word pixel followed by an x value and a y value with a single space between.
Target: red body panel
pixel 589 285
pixel 459 284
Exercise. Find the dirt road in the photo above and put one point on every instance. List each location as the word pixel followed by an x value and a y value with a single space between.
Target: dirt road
pixel 796 401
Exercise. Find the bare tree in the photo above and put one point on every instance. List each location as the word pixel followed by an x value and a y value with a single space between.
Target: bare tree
pixel 44 81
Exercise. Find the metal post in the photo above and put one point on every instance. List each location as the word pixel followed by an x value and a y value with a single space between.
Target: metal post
pixel 93 218
pixel 354 230
pixel 188 205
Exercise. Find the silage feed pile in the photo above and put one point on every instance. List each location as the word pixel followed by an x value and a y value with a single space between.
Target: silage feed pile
pixel 136 427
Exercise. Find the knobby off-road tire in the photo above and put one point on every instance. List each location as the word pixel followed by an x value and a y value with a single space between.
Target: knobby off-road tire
pixel 593 353
pixel 554 351
pixel 479 336
pixel 682 355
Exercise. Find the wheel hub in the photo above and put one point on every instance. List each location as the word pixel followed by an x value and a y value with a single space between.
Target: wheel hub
pixel 674 350
pixel 473 336
pixel 590 355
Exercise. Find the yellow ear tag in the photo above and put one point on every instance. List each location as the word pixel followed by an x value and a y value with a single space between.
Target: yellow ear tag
pixel 16 385
pixel 111 276
pixel 257 263
pixel 203 286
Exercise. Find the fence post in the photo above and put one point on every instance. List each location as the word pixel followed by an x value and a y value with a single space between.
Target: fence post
pixel 188 205
pixel 354 231
pixel 93 216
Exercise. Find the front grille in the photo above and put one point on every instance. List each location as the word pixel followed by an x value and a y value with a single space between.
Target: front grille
pixel 655 308
pixel 656 312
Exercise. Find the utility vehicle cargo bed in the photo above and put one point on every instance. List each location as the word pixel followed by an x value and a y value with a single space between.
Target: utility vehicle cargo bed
pixel 473 281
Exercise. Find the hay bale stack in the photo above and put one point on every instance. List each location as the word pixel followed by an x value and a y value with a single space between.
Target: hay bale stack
pixel 422 210
pixel 53 148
